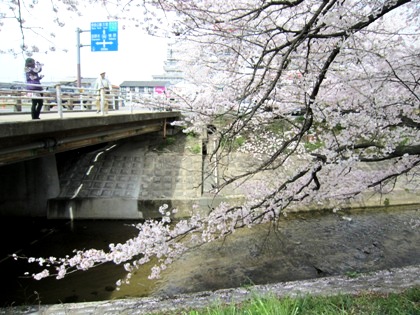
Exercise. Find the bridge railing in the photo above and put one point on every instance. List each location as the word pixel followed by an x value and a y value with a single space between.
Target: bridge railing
pixel 17 98
pixel 143 101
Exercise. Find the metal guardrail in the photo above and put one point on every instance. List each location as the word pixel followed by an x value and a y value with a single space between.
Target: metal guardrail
pixel 60 96
pixel 14 97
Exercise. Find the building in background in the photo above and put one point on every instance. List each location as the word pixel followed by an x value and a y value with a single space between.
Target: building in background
pixel 160 85
pixel 138 89
pixel 173 72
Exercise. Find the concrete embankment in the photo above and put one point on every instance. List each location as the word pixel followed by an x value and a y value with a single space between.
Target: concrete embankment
pixel 131 180
pixel 386 281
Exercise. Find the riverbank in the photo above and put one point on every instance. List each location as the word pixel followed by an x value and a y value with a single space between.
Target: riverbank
pixel 384 281
pixel 309 254
pixel 406 302
pixel 318 258
pixel 301 246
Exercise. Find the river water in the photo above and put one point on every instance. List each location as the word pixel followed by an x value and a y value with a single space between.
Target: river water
pixel 301 246
pixel 40 238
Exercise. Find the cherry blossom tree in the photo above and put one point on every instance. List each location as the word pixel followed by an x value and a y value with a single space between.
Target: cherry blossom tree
pixel 317 91
pixel 16 18
pixel 350 66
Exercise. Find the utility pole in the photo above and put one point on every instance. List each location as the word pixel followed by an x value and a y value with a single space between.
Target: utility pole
pixel 79 77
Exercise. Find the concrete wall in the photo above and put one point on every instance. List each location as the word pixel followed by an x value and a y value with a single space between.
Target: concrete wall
pixel 93 208
pixel 25 187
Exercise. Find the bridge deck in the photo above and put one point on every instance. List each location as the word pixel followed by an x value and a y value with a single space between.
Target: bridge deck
pixel 10 117
pixel 22 138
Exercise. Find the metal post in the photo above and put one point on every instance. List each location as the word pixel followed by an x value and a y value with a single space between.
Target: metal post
pixel 114 102
pixel 164 128
pixel 59 105
pixel 102 92
pixel 78 31
pixel 82 107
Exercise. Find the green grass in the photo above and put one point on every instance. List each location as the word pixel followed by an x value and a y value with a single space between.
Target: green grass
pixel 196 148
pixel 166 142
pixel 407 303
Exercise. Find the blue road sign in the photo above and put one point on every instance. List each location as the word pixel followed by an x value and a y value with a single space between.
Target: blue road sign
pixel 104 36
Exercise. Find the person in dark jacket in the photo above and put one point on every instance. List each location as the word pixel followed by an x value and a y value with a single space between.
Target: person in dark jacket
pixel 32 70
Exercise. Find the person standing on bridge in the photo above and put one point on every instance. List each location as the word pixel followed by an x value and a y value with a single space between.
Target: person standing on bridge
pixel 102 85
pixel 32 70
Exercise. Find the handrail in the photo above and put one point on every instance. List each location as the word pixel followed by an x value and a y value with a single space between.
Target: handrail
pixel 62 96
pixel 66 98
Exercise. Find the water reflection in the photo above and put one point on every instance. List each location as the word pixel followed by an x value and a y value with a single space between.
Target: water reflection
pixel 59 238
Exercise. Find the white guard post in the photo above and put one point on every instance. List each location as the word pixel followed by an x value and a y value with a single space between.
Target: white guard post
pixel 59 104
pixel 102 91
pixel 131 103
pixel 82 106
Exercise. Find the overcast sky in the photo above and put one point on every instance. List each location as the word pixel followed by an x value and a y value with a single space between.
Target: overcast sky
pixel 139 56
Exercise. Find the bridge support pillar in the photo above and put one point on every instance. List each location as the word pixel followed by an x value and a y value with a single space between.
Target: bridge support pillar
pixel 25 187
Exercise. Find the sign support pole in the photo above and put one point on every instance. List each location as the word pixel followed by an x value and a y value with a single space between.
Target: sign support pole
pixel 79 77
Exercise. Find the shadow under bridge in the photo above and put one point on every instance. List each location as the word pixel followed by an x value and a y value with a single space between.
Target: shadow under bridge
pixel 20 141
pixel 29 151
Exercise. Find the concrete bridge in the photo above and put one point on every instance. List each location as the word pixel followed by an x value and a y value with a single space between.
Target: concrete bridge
pixel 29 149
pixel 74 163
pixel 22 138
pixel 116 179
